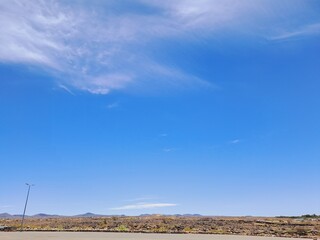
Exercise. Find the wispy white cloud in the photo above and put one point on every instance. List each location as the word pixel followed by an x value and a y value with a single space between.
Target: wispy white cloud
pixel 169 149
pixel 235 141
pixel 207 14
pixel 113 105
pixel 66 89
pixel 27 34
pixel 312 29
pixel 163 135
pixel 144 206
pixel 101 51
pixel 93 52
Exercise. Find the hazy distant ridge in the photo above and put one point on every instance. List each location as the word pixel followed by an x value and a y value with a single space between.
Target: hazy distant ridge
pixel 88 214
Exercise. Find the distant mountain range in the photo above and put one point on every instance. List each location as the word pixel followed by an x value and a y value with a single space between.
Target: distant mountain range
pixel 44 215
pixel 40 215
pixel 88 215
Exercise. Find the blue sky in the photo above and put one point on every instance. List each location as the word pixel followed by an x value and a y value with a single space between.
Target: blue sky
pixel 131 107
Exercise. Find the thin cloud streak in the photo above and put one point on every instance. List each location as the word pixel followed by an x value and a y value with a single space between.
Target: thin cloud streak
pixel 167 150
pixel 163 135
pixel 235 141
pixel 66 89
pixel 313 29
pixel 144 206
pixel 113 105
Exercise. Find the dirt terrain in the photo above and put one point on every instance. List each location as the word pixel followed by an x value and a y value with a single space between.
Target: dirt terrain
pixel 250 226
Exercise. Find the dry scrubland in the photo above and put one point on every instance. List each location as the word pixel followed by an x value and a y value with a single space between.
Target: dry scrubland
pixel 279 227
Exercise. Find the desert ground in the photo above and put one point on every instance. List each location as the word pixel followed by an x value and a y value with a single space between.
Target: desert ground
pixel 122 236
pixel 286 227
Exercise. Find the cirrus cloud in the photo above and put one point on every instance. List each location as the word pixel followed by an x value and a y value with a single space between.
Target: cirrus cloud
pixel 99 51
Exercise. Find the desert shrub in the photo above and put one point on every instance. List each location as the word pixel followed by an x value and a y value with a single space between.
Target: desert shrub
pixel 122 228
pixel 187 229
pixel 161 229
pixel 302 231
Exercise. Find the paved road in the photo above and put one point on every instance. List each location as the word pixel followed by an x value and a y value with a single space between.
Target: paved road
pixel 121 236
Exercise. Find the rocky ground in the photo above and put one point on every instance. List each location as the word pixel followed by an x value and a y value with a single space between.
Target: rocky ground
pixel 279 227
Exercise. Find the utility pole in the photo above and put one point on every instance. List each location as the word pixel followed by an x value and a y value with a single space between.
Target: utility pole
pixel 25 206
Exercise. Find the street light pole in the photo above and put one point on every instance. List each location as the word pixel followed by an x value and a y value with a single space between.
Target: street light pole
pixel 25 206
